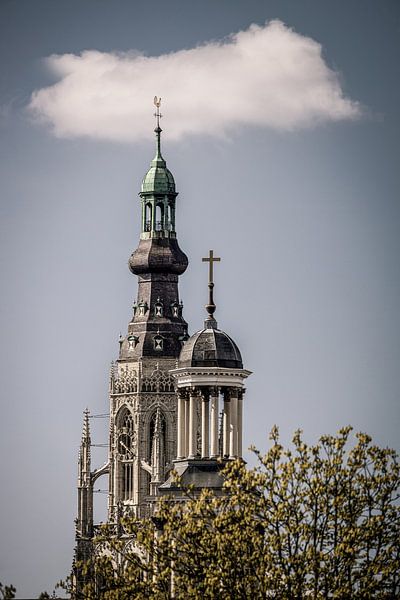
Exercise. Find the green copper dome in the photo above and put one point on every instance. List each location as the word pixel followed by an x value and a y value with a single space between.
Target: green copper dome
pixel 158 179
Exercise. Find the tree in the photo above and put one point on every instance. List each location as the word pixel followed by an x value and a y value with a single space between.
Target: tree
pixel 7 591
pixel 318 521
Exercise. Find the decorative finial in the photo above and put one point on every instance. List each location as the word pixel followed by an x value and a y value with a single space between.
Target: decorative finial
pixel 210 322
pixel 158 130
pixel 157 114
pixel 86 426
pixel 157 424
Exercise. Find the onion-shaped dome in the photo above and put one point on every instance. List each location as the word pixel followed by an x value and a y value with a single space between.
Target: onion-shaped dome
pixel 158 256
pixel 210 347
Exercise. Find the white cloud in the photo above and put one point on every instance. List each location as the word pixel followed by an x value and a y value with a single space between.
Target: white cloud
pixel 266 76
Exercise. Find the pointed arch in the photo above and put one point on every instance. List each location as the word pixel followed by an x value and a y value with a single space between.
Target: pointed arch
pixel 126 448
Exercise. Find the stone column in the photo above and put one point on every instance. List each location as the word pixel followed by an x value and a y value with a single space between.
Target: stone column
pixel 180 426
pixel 233 439
pixel 214 422
pixel 226 424
pixel 240 423
pixel 153 216
pixel 187 425
pixel 192 423
pixel 205 417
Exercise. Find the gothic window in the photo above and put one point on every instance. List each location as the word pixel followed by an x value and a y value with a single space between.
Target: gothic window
pixel 125 449
pixel 125 436
pixel 127 481
pixel 124 445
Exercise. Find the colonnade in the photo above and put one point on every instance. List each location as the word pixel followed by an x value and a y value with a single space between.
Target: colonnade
pixel 189 427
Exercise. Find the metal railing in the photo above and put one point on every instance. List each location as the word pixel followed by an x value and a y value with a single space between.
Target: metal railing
pixel 159 226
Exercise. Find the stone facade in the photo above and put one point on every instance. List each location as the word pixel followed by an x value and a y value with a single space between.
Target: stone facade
pixel 175 402
pixel 143 401
pixel 140 392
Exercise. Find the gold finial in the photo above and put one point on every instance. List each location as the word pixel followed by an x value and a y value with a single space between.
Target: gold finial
pixel 157 114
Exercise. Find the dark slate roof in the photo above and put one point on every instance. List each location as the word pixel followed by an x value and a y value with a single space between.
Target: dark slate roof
pixel 158 255
pixel 210 347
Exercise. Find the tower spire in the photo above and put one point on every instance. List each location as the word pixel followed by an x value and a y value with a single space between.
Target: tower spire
pixel 84 451
pixel 210 321
pixel 158 157
pixel 85 487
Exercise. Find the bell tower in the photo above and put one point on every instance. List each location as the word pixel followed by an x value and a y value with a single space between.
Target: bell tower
pixel 175 402
pixel 143 402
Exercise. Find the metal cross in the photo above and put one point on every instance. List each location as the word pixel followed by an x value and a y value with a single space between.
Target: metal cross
pixel 211 259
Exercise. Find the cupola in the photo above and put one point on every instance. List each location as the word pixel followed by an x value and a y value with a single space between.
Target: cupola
pixel 158 250
pixel 209 372
pixel 158 192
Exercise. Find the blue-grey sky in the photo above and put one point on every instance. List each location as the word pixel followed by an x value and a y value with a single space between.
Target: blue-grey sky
pixel 290 175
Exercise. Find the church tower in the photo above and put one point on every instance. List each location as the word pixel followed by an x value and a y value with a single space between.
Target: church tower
pixel 142 431
pixel 175 402
pixel 142 441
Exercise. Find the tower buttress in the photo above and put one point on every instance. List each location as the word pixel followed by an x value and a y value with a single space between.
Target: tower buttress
pixel 85 488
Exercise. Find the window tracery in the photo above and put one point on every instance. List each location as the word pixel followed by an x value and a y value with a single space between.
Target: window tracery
pixel 126 443
pixel 159 381
pixel 123 381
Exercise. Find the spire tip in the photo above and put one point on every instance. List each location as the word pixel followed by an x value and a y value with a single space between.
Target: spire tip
pixel 210 321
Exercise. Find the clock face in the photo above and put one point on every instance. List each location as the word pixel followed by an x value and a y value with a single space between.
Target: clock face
pixel 125 445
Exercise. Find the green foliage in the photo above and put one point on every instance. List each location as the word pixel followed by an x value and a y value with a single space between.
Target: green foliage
pixel 315 522
pixel 7 591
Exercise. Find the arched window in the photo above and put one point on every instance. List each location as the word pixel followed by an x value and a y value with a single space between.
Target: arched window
pixel 125 449
pixel 147 217
pixel 159 217
pixel 169 218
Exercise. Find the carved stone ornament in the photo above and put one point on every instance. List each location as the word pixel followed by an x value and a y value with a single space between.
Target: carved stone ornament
pixel 124 381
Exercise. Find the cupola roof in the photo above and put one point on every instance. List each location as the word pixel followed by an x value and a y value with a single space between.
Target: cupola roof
pixel 158 179
pixel 210 347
